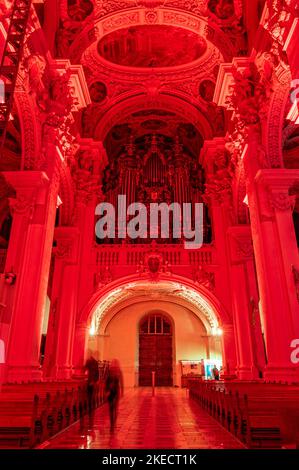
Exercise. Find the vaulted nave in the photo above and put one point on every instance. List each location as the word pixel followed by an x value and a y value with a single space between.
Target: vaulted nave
pixel 149 224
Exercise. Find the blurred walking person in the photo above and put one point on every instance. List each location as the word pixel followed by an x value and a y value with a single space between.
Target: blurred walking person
pixel 92 368
pixel 114 388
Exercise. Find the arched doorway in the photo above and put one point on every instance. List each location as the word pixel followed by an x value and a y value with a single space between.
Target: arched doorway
pixel 155 350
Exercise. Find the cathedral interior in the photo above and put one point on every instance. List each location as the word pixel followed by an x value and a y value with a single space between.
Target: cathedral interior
pixel 170 103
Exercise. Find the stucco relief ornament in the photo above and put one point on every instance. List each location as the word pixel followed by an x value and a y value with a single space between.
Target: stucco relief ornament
pixel 252 91
pixel 22 205
pixel 35 66
pixel 153 262
pixel 103 277
pixel 151 17
pixel 204 278
pixel 86 182
pixel 279 19
pixel 198 7
pixel 150 3
pixel 56 106
pixel 219 184
pixel 281 201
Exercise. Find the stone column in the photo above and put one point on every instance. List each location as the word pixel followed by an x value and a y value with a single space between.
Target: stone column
pixel 229 358
pixel 60 335
pixel 276 255
pixel 28 257
pixel 80 345
pixel 241 272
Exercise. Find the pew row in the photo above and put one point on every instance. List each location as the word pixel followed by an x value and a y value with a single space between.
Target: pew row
pixel 31 413
pixel 257 414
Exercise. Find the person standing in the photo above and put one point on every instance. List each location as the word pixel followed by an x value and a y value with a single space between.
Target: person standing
pixel 215 372
pixel 114 390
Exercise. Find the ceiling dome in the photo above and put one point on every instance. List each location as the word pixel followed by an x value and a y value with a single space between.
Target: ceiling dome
pixel 152 46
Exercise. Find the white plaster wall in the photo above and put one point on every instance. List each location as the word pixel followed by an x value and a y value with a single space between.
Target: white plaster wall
pixel 121 338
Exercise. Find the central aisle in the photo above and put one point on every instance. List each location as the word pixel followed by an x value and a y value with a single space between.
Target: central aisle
pixel 167 420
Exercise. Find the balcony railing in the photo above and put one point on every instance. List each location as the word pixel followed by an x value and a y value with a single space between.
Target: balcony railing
pixel 174 255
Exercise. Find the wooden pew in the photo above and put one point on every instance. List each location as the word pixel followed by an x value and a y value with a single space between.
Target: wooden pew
pixel 28 418
pixel 254 412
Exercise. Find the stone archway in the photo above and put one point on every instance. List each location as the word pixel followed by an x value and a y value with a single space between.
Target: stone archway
pixel 111 319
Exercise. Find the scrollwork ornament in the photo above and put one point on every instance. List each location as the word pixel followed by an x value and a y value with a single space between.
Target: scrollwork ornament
pixel 281 201
pixel 22 205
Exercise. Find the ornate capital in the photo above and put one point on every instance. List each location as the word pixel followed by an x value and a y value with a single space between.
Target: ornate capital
pixel 273 190
pixel 30 190
pixel 281 201
pixel 22 205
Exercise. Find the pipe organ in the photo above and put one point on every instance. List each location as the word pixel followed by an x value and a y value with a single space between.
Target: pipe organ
pixel 155 172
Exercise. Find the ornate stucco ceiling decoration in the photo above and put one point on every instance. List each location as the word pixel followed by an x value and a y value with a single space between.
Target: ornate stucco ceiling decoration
pixel 224 19
pixel 149 291
pixel 152 46
pixel 124 60
pixel 140 125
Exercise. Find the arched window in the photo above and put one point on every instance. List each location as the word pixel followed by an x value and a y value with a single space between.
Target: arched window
pixel 155 324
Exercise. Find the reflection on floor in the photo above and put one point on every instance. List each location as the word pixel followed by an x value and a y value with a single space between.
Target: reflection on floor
pixel 167 420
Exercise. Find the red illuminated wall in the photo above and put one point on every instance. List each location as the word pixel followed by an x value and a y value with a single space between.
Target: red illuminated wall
pixel 99 84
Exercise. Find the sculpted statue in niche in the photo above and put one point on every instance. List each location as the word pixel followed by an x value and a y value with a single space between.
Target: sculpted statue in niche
pixel 89 120
pixel 252 90
pixel 65 35
pixel 35 65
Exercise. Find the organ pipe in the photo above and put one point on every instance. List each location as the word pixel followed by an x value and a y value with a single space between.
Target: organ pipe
pixel 153 177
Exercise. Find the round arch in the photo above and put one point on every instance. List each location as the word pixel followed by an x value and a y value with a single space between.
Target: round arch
pixel 157 311
pixel 183 289
pixel 125 107
pixel 134 300
pixel 276 117
pixel 30 131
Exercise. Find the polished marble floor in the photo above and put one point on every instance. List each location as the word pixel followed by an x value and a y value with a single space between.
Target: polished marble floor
pixel 167 420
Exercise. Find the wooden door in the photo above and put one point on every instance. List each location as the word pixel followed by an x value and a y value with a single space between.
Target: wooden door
pixel 155 351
